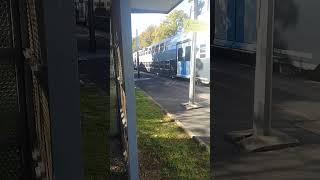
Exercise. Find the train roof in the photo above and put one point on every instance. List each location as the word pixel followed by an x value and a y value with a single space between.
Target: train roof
pixel 172 40
pixel 179 37
pixel 175 39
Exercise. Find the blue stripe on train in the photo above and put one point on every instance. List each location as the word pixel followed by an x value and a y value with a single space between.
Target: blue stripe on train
pixel 231 20
pixel 240 15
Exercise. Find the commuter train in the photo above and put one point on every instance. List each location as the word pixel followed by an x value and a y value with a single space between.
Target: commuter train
pixel 296 30
pixel 100 9
pixel 171 57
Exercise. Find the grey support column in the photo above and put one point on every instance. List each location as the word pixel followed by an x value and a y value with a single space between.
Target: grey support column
pixel 126 49
pixel 262 137
pixel 138 62
pixel 63 87
pixel 193 58
pixel 191 104
pixel 263 71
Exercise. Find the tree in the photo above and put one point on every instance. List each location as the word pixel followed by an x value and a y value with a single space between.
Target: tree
pixel 148 35
pixel 134 44
pixel 169 27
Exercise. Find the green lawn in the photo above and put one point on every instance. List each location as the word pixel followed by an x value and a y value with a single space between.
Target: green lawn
pixel 165 151
pixel 95 127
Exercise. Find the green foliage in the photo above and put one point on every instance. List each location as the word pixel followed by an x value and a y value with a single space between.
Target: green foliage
pixel 169 27
pixel 134 44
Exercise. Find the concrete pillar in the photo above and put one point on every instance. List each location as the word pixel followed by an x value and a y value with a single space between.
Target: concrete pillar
pixel 262 137
pixel 121 12
pixel 263 71
pixel 63 86
pixel 138 47
pixel 193 58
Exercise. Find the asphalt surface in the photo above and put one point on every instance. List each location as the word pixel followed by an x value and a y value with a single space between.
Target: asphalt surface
pixel 296 103
pixel 171 93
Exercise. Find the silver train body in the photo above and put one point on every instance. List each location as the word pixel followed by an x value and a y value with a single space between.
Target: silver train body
pixel 171 57
pixel 296 30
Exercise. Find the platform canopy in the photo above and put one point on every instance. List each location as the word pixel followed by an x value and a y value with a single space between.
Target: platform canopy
pixel 153 6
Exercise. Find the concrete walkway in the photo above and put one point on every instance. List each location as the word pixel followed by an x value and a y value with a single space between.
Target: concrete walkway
pixel 170 93
pixel 295 102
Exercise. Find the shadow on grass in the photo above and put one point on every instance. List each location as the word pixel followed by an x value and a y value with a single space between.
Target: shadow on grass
pixel 95 127
pixel 165 151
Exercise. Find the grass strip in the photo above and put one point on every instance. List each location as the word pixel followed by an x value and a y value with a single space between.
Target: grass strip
pixel 165 150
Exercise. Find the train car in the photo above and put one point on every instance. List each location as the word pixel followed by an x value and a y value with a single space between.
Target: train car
pixel 296 30
pixel 159 58
pixel 203 59
pixel 101 7
pixel 81 9
pixel 183 58
pixel 171 57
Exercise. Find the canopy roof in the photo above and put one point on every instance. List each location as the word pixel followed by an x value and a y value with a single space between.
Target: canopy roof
pixel 153 6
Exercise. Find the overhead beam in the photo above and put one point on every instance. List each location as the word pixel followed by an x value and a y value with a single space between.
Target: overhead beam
pixel 153 6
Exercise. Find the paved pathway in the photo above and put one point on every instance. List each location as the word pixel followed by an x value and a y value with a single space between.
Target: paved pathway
pixel 295 101
pixel 171 93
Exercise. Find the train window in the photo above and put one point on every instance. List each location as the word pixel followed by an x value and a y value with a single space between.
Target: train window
pixel 161 47
pixel 99 4
pixel 188 53
pixel 180 52
pixel 202 51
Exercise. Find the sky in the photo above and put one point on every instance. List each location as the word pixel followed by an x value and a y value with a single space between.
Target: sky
pixel 143 20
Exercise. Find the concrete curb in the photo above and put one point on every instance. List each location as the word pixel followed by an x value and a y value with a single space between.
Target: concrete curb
pixel 179 124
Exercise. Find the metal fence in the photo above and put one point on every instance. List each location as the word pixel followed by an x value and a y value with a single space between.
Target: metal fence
pixel 12 144
pixel 121 97
pixel 25 142
pixel 39 117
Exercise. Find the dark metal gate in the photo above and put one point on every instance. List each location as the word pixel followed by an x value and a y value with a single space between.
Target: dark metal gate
pixel 14 154
pixel 36 88
pixel 120 86
pixel 25 138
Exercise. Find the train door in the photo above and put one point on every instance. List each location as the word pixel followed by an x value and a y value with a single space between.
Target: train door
pixel 183 59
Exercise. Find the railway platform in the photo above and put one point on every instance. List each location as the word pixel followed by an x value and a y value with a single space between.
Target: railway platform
pixel 170 94
pixel 295 112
